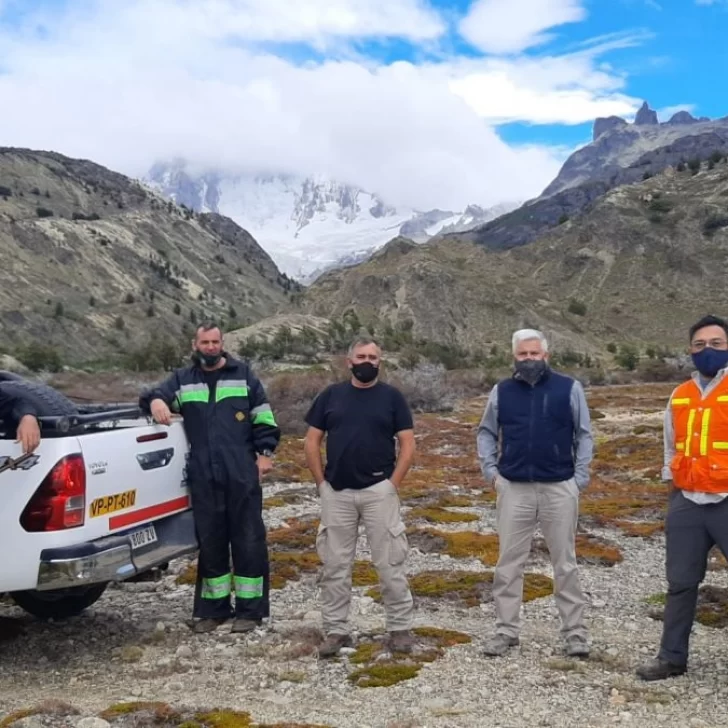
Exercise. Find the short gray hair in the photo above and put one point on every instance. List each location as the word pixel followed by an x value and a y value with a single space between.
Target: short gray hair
pixel 363 341
pixel 527 335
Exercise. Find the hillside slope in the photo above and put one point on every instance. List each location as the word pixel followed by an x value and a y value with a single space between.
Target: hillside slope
pixel 640 266
pixel 93 263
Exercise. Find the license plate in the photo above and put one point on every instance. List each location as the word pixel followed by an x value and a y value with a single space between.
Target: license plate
pixel 111 503
pixel 143 537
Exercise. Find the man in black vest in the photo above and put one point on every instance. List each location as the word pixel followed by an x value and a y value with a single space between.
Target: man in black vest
pixel 542 464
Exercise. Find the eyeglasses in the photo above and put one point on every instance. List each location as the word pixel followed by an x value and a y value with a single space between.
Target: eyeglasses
pixel 699 345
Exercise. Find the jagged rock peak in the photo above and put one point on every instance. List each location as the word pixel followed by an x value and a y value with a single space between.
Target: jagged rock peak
pixel 646 116
pixel 682 117
pixel 608 123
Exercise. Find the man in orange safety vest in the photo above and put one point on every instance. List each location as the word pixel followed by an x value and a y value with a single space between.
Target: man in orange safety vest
pixel 696 461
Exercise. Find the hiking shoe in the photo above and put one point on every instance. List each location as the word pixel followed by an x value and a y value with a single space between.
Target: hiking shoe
pixel 576 646
pixel 245 625
pixel 332 644
pixel 659 669
pixel 499 644
pixel 201 626
pixel 401 641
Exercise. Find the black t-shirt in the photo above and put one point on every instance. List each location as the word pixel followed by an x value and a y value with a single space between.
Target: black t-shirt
pixel 360 425
pixel 211 379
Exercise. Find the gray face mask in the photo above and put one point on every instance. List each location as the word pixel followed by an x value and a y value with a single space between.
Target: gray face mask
pixel 531 370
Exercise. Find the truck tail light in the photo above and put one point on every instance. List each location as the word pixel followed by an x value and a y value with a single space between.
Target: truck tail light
pixel 60 501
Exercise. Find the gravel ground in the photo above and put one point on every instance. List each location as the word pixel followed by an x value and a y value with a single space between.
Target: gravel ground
pixel 134 645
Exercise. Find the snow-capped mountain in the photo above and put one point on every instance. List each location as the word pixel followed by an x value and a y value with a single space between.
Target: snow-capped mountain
pixel 307 225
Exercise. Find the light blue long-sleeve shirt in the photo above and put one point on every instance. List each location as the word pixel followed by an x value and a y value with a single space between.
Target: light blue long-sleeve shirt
pixel 489 430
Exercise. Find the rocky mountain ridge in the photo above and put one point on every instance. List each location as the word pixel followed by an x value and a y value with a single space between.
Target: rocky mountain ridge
pixel 621 154
pixel 96 264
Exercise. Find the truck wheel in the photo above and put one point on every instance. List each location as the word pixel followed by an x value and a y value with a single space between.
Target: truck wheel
pixel 59 604
pixel 46 400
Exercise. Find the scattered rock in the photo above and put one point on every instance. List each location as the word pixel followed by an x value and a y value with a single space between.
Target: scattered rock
pixel 92 722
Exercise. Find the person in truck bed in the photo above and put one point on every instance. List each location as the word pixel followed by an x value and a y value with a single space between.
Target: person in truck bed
pixel 232 435
pixel 14 407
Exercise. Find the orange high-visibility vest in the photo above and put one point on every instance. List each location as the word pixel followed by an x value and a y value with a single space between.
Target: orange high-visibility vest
pixel 701 438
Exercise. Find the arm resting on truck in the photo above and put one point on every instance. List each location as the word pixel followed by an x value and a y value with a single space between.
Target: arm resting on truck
pixel 15 407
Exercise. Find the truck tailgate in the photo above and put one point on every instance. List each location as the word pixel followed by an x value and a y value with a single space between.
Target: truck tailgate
pixel 134 475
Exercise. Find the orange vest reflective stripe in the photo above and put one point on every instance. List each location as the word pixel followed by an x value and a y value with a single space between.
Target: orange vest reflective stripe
pixel 701 438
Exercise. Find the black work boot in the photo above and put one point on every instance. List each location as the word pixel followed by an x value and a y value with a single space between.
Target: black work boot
pixel 241 625
pixel 201 626
pixel 659 669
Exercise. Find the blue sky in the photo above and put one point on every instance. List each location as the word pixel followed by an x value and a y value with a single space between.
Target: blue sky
pixel 430 103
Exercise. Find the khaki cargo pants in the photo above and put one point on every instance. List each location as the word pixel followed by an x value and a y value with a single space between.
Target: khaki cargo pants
pixel 520 508
pixel 378 508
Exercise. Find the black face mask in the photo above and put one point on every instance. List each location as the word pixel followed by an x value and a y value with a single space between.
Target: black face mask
pixel 531 370
pixel 208 360
pixel 365 372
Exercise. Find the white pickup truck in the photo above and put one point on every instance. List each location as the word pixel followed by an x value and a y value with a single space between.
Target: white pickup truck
pixel 102 499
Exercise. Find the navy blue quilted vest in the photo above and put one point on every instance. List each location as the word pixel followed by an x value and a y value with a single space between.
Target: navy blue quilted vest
pixel 537 429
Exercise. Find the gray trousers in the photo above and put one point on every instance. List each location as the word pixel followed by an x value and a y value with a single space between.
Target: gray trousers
pixel 691 530
pixel 378 508
pixel 520 507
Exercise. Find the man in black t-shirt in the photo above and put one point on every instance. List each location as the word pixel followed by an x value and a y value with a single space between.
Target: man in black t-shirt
pixel 361 419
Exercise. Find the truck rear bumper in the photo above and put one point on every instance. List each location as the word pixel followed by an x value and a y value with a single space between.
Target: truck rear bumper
pixel 114 558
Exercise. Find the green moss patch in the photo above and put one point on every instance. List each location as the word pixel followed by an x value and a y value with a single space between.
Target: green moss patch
pixel 458 544
pixel 292 550
pixel 188 575
pixel 364 574
pixel 430 644
pixel 469 587
pixel 46 708
pixel 442 637
pixel 382 675
pixel 288 566
pixel 712 609
pixel 149 711
pixel 436 514
pixel 297 534
pixel 589 550
pixel 224 719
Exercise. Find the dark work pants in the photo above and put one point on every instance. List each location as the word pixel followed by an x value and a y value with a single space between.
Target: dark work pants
pixel 691 530
pixel 229 517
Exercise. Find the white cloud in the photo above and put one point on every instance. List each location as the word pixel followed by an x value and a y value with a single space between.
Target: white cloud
pixel 512 26
pixel 126 84
pixel 567 90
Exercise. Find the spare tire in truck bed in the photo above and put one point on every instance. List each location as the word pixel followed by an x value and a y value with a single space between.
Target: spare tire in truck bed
pixel 47 401
pixel 6 376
